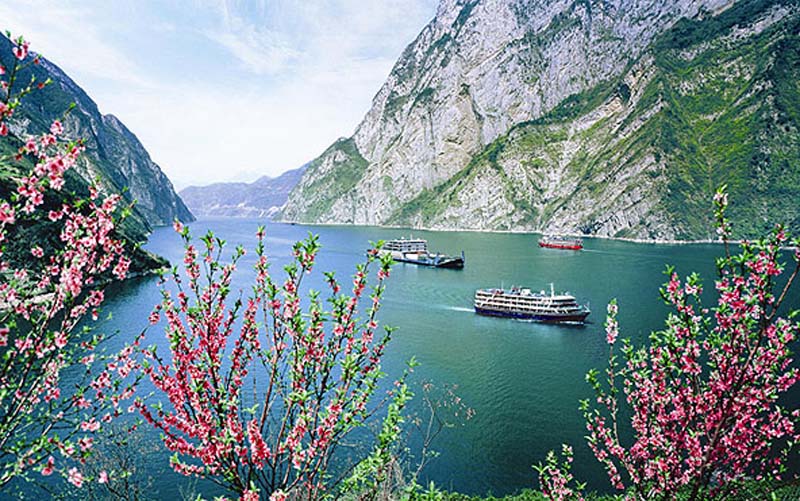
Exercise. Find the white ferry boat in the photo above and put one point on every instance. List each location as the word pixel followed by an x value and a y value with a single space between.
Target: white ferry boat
pixel 415 251
pixel 525 304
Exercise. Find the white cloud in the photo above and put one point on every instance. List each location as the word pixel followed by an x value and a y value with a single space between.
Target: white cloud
pixel 217 138
pixel 259 56
pixel 68 35
pixel 261 51
pixel 216 88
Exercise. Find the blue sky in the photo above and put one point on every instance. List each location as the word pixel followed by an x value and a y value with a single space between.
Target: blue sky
pixel 225 90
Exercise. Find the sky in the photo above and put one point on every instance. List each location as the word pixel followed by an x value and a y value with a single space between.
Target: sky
pixel 225 90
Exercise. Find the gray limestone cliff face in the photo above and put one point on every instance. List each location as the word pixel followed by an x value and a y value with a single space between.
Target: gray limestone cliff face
pixel 710 103
pixel 475 71
pixel 155 196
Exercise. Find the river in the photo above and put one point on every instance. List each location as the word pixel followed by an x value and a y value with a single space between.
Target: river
pixel 522 379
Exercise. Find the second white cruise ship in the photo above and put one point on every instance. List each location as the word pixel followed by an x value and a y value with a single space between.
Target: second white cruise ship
pixel 524 304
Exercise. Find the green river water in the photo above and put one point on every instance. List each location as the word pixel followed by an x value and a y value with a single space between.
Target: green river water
pixel 522 379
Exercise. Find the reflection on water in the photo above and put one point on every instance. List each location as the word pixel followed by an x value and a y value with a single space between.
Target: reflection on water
pixel 523 379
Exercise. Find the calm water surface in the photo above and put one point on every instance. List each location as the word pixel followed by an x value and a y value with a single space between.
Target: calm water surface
pixel 523 380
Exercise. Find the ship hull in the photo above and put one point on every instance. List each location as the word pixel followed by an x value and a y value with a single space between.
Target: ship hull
pixel 539 317
pixel 423 258
pixel 455 263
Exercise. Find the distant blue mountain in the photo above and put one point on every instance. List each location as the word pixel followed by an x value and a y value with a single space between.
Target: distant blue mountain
pixel 261 198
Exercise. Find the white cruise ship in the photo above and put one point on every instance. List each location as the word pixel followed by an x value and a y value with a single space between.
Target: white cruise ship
pixel 415 251
pixel 525 304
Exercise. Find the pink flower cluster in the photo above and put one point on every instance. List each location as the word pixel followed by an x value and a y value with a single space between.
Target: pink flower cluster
pixel 555 479
pixel 306 385
pixel 704 394
pixel 49 293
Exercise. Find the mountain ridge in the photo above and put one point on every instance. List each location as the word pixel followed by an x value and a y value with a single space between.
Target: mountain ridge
pixel 649 201
pixel 260 198
pixel 114 156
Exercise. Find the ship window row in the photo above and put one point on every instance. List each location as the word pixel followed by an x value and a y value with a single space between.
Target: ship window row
pixel 525 300
pixel 405 246
pixel 526 307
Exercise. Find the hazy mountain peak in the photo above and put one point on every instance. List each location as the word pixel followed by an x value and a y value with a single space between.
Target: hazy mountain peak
pixel 261 198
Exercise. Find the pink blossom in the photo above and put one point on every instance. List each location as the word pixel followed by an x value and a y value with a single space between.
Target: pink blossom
pixel 47 470
pixel 90 425
pixel 56 128
pixel 6 213
pixel 700 401
pixel 75 477
pixel 278 496
pixel 250 495
pixel 212 337
pixel 20 50
pixel 23 344
pixel 60 339
pixel 87 250
pixel 85 443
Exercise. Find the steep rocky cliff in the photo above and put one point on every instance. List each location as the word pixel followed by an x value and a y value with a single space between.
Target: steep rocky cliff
pixel 114 156
pixel 261 198
pixel 599 117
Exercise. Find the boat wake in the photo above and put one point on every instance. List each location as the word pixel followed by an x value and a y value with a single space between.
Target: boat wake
pixel 460 308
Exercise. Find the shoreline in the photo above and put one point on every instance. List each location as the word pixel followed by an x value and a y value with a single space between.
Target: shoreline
pixel 511 232
pixel 658 241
